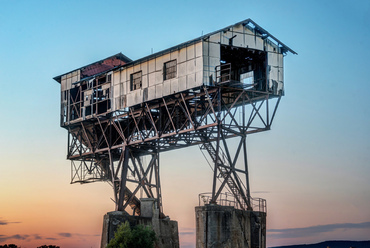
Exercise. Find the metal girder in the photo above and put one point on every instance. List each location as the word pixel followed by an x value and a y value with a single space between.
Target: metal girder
pixel 111 147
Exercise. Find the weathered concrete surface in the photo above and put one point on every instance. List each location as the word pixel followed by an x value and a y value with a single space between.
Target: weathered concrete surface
pixel 227 227
pixel 166 230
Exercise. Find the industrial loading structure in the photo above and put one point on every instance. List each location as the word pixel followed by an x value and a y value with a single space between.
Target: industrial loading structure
pixel 222 85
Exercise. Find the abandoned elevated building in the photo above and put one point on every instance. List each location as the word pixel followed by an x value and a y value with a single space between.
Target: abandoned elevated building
pixel 222 85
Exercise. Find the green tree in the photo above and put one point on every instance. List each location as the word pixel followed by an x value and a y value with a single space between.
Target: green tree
pixel 137 237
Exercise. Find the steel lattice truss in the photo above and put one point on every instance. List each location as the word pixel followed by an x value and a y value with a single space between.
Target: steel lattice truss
pixel 111 147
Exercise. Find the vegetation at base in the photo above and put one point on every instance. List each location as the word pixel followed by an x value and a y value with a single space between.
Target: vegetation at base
pixel 137 237
pixel 48 246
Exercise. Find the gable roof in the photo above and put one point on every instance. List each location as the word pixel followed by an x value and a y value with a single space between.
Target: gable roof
pixel 100 66
pixel 252 25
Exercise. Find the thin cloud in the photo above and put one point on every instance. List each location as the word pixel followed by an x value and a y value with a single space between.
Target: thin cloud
pixel 5 222
pixel 36 236
pixel 17 237
pixel 51 238
pixel 312 230
pixel 65 235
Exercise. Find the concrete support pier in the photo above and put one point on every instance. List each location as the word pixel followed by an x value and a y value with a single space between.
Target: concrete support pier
pixel 165 229
pixel 226 227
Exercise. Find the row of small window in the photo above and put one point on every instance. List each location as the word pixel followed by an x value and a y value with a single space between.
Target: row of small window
pixel 169 71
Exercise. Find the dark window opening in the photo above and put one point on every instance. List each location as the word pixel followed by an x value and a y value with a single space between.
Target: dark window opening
pixel 136 81
pixel 243 67
pixel 170 69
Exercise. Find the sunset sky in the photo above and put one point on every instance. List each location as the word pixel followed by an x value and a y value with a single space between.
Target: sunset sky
pixel 313 167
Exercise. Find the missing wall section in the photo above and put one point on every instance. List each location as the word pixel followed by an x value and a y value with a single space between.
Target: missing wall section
pixel 243 67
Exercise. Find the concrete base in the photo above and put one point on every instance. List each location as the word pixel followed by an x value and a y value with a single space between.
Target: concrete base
pixel 227 227
pixel 166 230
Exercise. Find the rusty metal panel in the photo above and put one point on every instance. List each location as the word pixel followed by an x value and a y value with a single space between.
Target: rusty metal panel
pixel 182 55
pixel 199 78
pixel 159 63
pixel 137 68
pixel 117 103
pixel 151 93
pixel 144 81
pixel 116 90
pixel 259 43
pixel 166 89
pixel 63 84
pixel 69 83
pixel 199 64
pixel 275 72
pixel 182 83
pixel 158 77
pixel 129 71
pixel 191 81
pixel 123 88
pixel 271 47
pixel 144 68
pixel 151 66
pixel 181 69
pixel 158 91
pixel 198 49
pixel 116 78
pixel 190 52
pixel 238 28
pixel 238 40
pixel 215 38
pixel 130 99
pixel 151 78
pixel 174 85
pixel 214 50
pixel 174 55
pixel 225 37
pixel 250 41
pixel 281 67
pixel 205 46
pixel 123 76
pixel 190 66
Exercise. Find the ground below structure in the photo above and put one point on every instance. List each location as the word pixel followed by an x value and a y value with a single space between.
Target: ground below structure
pixel 166 230
pixel 226 227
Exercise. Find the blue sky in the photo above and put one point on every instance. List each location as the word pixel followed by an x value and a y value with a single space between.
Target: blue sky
pixel 313 167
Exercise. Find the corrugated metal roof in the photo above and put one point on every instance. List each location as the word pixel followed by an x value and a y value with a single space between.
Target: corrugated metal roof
pixel 100 66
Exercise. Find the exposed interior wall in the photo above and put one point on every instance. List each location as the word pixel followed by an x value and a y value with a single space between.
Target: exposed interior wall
pixel 244 37
pixel 189 74
pixel 65 85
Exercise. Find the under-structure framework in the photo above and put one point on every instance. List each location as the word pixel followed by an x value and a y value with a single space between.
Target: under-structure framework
pixel 206 91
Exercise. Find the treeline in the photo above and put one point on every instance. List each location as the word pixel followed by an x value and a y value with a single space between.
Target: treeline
pixel 15 246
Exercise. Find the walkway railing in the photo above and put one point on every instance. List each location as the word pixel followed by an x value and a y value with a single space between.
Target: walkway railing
pixel 228 199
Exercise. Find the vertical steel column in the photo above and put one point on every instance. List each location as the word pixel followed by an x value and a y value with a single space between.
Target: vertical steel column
pixel 122 187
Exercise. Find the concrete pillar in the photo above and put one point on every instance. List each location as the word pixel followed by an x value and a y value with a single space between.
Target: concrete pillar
pixel 165 229
pixel 227 227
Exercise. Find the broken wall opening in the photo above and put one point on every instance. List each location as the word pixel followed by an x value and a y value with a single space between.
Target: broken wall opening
pixel 244 67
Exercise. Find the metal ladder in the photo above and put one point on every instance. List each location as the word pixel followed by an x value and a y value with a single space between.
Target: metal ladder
pixel 222 163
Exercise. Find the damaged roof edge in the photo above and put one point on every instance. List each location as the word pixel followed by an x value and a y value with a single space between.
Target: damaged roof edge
pixel 119 55
pixel 130 62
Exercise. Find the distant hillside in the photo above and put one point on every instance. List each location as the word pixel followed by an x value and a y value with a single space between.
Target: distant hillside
pixel 332 244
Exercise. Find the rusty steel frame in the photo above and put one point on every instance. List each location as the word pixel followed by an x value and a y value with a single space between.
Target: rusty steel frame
pixel 110 147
